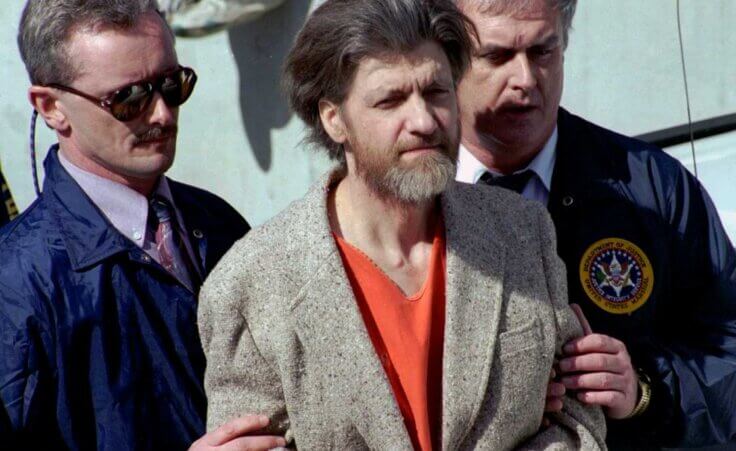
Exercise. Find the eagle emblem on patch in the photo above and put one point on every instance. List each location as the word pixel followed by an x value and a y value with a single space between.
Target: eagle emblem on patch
pixel 616 275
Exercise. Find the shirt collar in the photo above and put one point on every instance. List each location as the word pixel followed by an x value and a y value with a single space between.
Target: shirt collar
pixel 125 208
pixel 469 169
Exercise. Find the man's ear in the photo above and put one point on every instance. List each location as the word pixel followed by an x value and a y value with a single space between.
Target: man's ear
pixel 46 102
pixel 332 121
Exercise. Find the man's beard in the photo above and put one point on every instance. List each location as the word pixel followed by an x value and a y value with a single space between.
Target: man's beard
pixel 410 182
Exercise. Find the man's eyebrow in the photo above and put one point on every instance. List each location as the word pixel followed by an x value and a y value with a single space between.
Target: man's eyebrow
pixel 439 82
pixel 551 40
pixel 383 92
pixel 490 47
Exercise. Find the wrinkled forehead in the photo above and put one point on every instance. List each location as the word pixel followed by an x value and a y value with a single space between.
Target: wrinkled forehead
pixel 422 66
pixel 514 23
pixel 115 55
pixel 521 9
pixel 150 23
pixel 150 27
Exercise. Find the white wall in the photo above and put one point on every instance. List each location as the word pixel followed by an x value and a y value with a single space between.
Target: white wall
pixel 623 66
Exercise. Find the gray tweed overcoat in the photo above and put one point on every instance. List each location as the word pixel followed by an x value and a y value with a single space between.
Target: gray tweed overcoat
pixel 284 337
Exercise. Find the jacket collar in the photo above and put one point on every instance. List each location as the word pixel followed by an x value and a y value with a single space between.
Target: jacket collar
pixel 88 237
pixel 583 156
pixel 585 165
pixel 328 317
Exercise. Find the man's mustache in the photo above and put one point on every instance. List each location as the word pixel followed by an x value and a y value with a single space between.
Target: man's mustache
pixel 440 140
pixel 156 133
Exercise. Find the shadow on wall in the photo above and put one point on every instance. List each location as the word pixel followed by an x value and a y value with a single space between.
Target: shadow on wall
pixel 260 48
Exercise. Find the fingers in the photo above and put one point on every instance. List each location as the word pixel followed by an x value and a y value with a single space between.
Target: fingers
pixel 613 363
pixel 594 343
pixel 616 393
pixel 608 398
pixel 587 330
pixel 596 381
pixel 254 443
pixel 555 392
pixel 236 428
pixel 552 405
pixel 555 389
pixel 599 369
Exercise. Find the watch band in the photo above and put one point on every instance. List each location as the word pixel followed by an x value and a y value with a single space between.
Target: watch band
pixel 645 397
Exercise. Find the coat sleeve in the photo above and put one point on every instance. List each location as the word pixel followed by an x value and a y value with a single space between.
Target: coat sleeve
pixel 692 357
pixel 238 379
pixel 576 426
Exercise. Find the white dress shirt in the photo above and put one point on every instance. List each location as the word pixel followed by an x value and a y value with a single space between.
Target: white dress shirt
pixel 469 170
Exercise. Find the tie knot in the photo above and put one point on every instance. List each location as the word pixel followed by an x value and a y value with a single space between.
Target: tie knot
pixel 515 182
pixel 161 208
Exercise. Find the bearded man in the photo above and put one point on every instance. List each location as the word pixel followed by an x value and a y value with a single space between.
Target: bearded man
pixel 392 308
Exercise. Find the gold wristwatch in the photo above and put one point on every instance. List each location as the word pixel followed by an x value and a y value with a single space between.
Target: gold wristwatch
pixel 645 395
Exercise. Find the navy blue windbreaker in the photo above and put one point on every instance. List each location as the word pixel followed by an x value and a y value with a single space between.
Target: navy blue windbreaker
pixel 675 309
pixel 100 348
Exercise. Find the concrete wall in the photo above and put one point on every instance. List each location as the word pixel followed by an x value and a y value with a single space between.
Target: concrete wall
pixel 623 66
pixel 238 139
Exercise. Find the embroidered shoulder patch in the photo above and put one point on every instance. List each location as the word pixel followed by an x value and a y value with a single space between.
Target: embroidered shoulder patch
pixel 616 275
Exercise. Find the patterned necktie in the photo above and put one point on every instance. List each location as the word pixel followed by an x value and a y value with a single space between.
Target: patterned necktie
pixel 168 241
pixel 514 182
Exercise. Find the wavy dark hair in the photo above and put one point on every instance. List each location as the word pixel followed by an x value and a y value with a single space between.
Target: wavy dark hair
pixel 340 33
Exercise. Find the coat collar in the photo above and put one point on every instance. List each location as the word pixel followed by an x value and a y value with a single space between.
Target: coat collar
pixel 328 317
pixel 583 158
pixel 592 164
pixel 88 236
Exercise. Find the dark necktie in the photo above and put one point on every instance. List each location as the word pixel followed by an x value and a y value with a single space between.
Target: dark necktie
pixel 168 242
pixel 514 182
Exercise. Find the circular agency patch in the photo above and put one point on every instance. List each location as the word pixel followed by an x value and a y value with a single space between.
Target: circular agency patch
pixel 616 275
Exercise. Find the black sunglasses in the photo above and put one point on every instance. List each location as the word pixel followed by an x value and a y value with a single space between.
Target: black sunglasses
pixel 130 101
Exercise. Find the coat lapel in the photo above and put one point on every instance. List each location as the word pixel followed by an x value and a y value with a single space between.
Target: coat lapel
pixel 475 274
pixel 209 235
pixel 330 325
pixel 329 320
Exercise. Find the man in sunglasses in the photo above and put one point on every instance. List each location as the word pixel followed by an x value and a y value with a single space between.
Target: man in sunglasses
pixel 99 277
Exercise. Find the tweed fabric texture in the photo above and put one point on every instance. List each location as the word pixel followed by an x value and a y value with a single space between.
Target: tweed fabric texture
pixel 284 337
